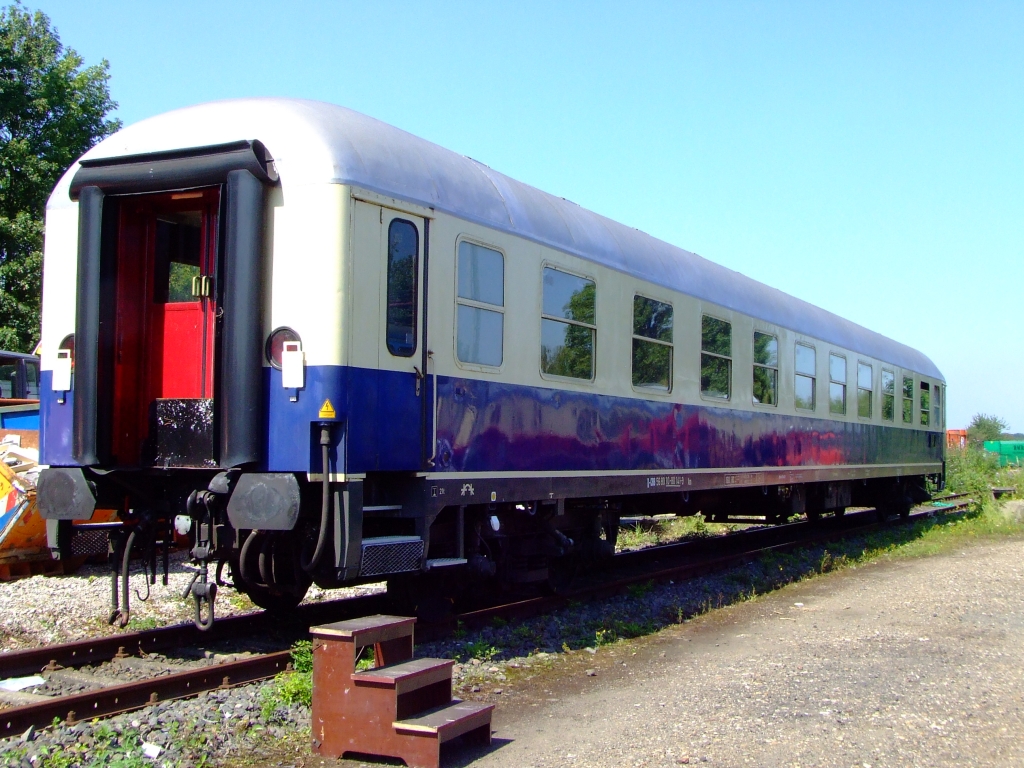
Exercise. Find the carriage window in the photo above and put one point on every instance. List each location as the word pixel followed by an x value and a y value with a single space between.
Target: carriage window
pixel 766 369
pixel 178 252
pixel 481 305
pixel 925 403
pixel 403 259
pixel 568 330
pixel 865 378
pixel 836 383
pixel 716 357
pixel 908 400
pixel 806 375
pixel 888 395
pixel 652 344
pixel 936 405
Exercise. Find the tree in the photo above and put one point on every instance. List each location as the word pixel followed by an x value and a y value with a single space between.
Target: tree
pixel 51 111
pixel 985 427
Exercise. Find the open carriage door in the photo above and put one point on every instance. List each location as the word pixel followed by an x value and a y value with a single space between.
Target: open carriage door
pixel 168 369
pixel 165 313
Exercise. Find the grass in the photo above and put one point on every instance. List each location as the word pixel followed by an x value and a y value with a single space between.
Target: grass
pixel 293 687
pixel 666 530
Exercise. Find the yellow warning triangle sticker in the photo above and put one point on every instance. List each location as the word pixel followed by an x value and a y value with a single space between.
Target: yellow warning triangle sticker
pixel 327 410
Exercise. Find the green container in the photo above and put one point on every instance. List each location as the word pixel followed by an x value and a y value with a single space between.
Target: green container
pixel 1009 452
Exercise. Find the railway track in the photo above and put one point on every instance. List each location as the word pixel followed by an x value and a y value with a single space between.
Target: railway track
pixel 141 650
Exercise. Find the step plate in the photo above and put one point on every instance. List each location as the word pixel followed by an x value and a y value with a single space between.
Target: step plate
pixel 391 554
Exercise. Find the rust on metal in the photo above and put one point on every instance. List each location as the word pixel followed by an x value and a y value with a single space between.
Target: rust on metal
pixel 124 698
pixel 81 652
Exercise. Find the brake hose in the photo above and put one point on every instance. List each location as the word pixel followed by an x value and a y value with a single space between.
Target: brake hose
pixel 325 511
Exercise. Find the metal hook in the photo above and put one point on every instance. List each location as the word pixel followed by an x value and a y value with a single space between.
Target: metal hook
pixel 204 593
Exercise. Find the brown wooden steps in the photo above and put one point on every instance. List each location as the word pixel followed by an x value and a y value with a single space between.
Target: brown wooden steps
pixel 401 708
pixel 407 676
pixel 449 721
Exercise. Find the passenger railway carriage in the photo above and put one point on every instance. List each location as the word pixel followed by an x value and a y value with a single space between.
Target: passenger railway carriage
pixel 329 350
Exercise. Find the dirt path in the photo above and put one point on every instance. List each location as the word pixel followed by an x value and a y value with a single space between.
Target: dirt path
pixel 912 663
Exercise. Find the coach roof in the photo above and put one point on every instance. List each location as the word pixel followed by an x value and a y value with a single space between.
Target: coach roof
pixel 315 142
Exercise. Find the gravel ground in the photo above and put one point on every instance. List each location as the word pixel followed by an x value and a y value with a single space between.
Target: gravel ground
pixel 911 663
pixel 843 679
pixel 42 610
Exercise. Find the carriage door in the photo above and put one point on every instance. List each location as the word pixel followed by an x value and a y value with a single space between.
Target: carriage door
pixel 402 387
pixel 164 334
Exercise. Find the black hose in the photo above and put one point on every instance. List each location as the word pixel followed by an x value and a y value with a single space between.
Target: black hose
pixel 125 595
pixel 243 558
pixel 325 511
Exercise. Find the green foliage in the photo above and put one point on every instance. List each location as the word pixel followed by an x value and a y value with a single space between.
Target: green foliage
pixel 971 470
pixel 51 111
pixel 295 687
pixel 479 649
pixel 286 689
pixel 605 637
pixel 985 427
pixel 146 622
pixel 302 656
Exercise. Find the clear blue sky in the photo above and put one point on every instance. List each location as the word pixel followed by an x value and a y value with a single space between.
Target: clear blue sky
pixel 867 157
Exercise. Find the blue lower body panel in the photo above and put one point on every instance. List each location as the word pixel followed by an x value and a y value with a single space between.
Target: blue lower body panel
pixel 487 426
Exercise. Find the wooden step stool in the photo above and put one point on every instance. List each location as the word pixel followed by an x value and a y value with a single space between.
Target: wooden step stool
pixel 403 708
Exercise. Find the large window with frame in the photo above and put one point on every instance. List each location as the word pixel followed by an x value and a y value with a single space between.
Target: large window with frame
pixel 652 344
pixel 925 403
pixel 715 358
pixel 806 377
pixel 568 326
pixel 403 267
pixel 908 399
pixel 766 369
pixel 888 395
pixel 865 389
pixel 479 334
pixel 937 406
pixel 836 383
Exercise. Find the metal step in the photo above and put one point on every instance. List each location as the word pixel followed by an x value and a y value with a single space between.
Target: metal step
pixel 391 554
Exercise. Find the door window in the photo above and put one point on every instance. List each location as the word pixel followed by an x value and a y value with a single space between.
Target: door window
pixel 32 379
pixel 403 267
pixel 178 255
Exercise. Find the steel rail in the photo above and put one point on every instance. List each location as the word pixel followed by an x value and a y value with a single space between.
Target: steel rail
pixel 77 653
pixel 135 695
pixel 118 699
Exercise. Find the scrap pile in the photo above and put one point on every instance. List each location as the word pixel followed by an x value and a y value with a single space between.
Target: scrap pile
pixel 23 550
